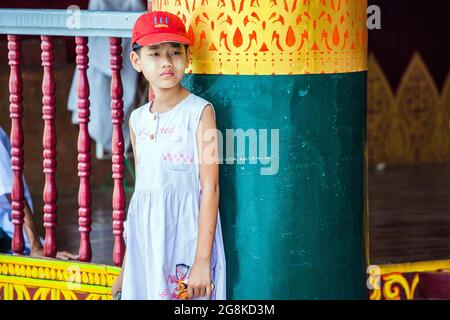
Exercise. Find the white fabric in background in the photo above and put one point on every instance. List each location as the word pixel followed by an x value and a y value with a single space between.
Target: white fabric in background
pixel 99 76
pixel 6 176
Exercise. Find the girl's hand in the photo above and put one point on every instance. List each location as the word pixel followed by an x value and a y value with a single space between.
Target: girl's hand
pixel 64 255
pixel 38 252
pixel 199 283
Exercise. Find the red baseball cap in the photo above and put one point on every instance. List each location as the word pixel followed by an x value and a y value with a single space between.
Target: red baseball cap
pixel 158 26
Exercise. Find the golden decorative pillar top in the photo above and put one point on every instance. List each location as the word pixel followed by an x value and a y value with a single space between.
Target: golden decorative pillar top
pixel 268 37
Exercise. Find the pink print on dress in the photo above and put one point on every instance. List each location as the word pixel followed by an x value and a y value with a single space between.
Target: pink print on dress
pixel 164 294
pixel 143 134
pixel 177 158
pixel 172 279
pixel 166 130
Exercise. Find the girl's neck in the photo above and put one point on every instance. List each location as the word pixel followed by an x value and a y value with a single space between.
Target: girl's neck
pixel 166 99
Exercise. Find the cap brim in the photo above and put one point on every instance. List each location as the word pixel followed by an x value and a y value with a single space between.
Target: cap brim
pixel 152 39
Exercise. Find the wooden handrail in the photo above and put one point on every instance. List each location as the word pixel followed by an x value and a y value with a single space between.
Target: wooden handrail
pixel 70 22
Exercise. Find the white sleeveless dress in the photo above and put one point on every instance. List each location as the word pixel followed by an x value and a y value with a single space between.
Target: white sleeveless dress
pixel 161 230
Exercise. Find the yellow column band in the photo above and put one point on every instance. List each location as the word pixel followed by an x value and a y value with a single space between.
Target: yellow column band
pixel 268 37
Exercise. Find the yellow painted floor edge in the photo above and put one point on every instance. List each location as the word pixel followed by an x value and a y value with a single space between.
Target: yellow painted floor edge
pixel 420 266
pixel 56 263
pixel 12 276
pixel 55 284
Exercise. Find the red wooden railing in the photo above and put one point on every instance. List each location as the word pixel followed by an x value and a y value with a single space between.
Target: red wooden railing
pixel 84 157
pixel 49 147
pixel 117 149
pixel 15 109
pixel 49 144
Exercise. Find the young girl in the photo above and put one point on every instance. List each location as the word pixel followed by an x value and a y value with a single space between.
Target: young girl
pixel 173 232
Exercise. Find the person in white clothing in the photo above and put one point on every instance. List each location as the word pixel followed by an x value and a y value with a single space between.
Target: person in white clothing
pixel 174 244
pixel 99 75
pixel 33 243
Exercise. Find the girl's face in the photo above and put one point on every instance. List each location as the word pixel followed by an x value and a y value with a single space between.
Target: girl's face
pixel 163 64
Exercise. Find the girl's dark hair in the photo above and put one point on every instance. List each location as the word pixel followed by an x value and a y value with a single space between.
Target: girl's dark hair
pixel 137 48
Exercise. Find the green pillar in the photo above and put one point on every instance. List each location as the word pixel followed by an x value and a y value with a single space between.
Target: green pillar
pixel 299 72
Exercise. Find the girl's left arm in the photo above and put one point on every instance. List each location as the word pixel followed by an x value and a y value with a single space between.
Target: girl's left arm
pixel 200 277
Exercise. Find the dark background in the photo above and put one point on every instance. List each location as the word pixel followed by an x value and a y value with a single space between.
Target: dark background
pixel 408 26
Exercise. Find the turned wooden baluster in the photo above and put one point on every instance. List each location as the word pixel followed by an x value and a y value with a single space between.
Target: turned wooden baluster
pixel 15 109
pixel 117 150
pixel 49 144
pixel 84 148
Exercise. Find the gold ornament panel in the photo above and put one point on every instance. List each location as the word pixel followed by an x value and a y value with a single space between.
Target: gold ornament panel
pixel 25 278
pixel 381 104
pixel 268 37
pixel 442 137
pixel 400 281
pixel 411 126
